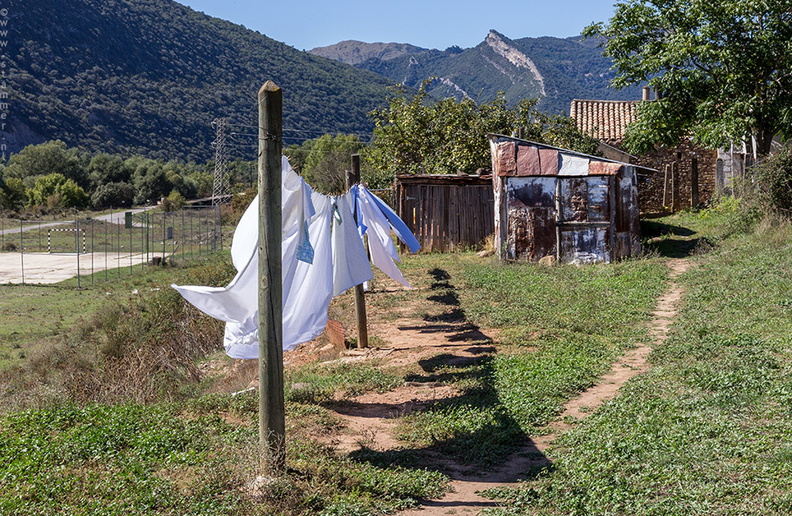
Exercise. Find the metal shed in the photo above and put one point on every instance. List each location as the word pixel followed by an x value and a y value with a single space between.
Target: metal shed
pixel 555 202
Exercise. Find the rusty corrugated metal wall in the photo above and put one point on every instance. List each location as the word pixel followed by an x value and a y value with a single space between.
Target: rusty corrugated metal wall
pixel 575 208
pixel 446 213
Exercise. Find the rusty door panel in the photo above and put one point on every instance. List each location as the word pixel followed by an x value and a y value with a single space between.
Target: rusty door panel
pixel 573 200
pixel 624 204
pixel 599 204
pixel 585 245
pixel 531 192
pixel 531 234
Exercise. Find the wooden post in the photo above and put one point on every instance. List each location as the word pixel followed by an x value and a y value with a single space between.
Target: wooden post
pixel 694 180
pixel 272 432
pixel 675 173
pixel 353 177
pixel 77 245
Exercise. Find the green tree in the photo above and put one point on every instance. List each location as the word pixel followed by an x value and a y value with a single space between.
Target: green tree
pixel 56 191
pixel 113 195
pixel 150 179
pixel 106 168
pixel 415 135
pixel 13 194
pixel 203 181
pixel 43 159
pixel 723 68
pixel 329 159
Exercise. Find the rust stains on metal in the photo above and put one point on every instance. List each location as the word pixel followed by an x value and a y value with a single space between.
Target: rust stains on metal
pixel 582 212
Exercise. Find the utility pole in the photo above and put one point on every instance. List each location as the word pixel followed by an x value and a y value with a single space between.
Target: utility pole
pixel 352 178
pixel 272 433
pixel 220 190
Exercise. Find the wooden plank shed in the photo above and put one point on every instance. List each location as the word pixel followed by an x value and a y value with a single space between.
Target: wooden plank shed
pixel 445 212
pixel 554 202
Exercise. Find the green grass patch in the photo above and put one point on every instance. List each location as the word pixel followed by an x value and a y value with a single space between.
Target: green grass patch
pixel 709 429
pixel 321 382
pixel 183 459
pixel 563 327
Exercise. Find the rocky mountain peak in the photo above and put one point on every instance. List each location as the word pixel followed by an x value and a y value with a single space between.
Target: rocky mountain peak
pixel 504 47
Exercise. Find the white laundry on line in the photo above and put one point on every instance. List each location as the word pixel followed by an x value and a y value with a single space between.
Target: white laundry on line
pixel 318 229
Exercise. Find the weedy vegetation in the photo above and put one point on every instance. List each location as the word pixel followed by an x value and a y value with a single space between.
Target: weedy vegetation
pixel 116 410
pixel 707 429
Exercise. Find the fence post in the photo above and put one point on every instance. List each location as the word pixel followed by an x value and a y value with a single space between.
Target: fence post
pixel 164 235
pixel 22 249
pixel 77 246
pixel 272 432
pixel 352 178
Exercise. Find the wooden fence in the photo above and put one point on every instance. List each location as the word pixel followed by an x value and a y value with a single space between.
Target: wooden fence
pixel 444 212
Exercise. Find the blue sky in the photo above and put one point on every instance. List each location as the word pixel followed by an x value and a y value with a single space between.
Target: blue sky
pixel 305 24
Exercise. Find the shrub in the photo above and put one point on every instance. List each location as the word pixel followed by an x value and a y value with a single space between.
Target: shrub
pixel 773 183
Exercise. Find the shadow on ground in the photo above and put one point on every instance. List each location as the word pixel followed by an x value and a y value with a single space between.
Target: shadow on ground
pixel 469 434
pixel 672 241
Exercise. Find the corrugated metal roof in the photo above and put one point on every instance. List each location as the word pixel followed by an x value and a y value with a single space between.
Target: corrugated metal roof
pixel 494 138
pixel 605 120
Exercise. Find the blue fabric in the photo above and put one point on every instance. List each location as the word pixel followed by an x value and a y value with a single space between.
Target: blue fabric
pixel 362 228
pixel 399 227
pixel 305 251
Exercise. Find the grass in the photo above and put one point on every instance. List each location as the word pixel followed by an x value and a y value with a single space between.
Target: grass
pixel 320 383
pixel 181 459
pixel 705 431
pixel 562 327
pixel 35 317
pixel 708 429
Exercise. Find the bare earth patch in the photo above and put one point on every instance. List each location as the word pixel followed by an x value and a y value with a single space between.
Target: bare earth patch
pixel 369 420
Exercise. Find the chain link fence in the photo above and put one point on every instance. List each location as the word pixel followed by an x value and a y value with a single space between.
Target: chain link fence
pixel 118 243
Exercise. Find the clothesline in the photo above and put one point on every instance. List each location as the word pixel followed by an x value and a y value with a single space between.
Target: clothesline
pixel 322 256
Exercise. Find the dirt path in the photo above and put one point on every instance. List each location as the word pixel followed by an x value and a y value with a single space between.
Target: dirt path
pixel 447 339
pixel 464 498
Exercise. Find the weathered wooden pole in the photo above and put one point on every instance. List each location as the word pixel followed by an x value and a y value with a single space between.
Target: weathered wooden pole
pixel 352 178
pixel 694 180
pixel 272 434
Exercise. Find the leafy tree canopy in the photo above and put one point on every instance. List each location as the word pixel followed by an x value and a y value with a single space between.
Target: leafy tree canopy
pixel 328 160
pixel 56 191
pixel 13 194
pixel 106 180
pixel 414 135
pixel 724 68
pixel 52 157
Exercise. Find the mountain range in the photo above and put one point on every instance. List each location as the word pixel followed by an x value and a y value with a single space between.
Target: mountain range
pixel 149 76
pixel 554 70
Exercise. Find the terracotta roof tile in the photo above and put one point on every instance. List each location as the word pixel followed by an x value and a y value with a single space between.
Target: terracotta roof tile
pixel 604 119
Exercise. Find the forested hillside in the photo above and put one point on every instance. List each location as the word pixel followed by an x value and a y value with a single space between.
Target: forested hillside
pixel 149 76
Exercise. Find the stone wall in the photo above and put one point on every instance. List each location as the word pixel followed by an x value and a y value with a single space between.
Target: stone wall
pixel 671 188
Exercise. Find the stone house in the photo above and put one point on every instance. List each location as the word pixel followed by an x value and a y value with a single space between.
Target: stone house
pixel 687 176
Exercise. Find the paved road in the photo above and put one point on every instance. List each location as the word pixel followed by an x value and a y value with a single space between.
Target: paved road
pixel 42 268
pixel 113 218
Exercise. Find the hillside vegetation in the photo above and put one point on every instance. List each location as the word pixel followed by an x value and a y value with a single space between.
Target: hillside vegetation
pixel 148 77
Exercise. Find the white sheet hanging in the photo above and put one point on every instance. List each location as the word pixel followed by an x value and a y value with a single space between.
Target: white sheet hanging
pixel 383 253
pixel 312 231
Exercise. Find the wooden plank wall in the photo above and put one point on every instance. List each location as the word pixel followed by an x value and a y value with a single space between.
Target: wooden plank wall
pixel 446 213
